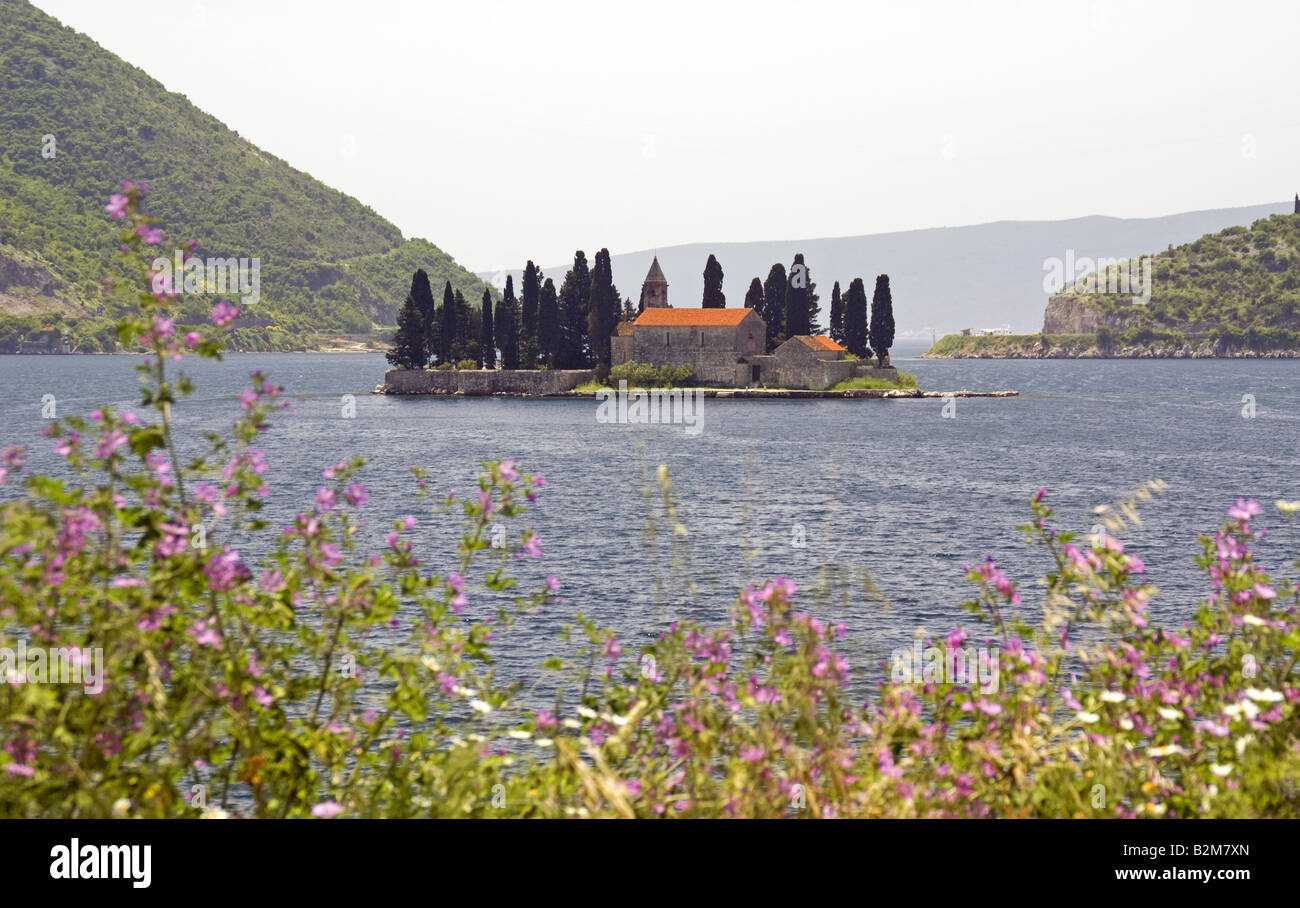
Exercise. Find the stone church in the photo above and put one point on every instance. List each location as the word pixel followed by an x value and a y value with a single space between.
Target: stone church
pixel 726 347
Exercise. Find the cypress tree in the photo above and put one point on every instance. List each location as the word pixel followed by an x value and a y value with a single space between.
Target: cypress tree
pixel 796 300
pixel 486 338
pixel 754 296
pixel 408 350
pixel 837 315
pixel 422 295
pixel 882 319
pixel 447 336
pixel 603 306
pixel 530 292
pixel 548 325
pixel 575 301
pixel 507 331
pixel 855 319
pixel 774 305
pixel 713 295
pixel 467 331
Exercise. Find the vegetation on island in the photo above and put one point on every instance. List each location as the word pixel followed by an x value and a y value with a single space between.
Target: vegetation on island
pixel 75 116
pixel 215 684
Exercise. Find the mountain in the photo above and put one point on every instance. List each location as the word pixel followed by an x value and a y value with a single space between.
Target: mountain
pixel 328 262
pixel 944 278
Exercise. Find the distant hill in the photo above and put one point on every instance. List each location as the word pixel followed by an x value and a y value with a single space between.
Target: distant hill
pixel 328 262
pixel 944 278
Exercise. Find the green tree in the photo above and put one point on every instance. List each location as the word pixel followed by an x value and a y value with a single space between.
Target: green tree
pixel 796 300
pixel 754 296
pixel 507 329
pixel 421 295
pixel 575 300
pixel 530 293
pixel 447 339
pixel 774 305
pixel 855 319
pixel 882 319
pixel 837 315
pixel 713 295
pixel 603 308
pixel 408 350
pixel 487 340
pixel 548 325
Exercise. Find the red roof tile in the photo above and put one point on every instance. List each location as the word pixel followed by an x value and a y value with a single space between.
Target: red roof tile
pixel 698 318
pixel 817 342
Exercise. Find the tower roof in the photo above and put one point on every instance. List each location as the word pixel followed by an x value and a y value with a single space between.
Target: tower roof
pixel 655 274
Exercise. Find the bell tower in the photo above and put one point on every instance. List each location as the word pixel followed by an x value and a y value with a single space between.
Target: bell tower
pixel 654 292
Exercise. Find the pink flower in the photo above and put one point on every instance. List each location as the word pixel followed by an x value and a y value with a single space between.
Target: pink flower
pixel 324 499
pixel 356 494
pixel 223 313
pixel 326 810
pixel 1245 509
pixel 752 754
pixel 116 206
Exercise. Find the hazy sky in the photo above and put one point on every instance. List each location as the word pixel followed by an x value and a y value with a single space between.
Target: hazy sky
pixel 503 131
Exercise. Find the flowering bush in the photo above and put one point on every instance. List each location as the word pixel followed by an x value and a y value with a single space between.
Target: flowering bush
pixel 325 681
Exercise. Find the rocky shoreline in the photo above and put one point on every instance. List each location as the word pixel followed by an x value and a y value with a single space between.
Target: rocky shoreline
pixel 1033 347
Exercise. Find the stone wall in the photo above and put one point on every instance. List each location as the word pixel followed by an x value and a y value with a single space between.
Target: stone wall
pixel 478 382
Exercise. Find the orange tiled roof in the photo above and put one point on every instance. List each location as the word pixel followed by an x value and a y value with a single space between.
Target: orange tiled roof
pixel 817 342
pixel 694 318
pixel 623 329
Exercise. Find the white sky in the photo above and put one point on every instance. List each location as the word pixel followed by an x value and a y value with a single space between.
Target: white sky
pixel 503 131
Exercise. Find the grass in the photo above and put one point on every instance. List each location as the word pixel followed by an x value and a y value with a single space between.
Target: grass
pixel 906 380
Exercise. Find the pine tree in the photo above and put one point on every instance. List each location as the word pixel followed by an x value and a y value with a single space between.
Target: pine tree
pixel 530 292
pixel 754 296
pixel 713 295
pixel 487 338
pixel 603 308
pixel 837 315
pixel 882 319
pixel 575 300
pixel 408 350
pixel 855 319
pixel 796 300
pixel 507 330
pixel 629 313
pixel 548 326
pixel 447 329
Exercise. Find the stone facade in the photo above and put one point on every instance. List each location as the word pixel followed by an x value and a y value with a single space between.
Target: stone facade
pixel 712 341
pixel 654 292
pixel 482 382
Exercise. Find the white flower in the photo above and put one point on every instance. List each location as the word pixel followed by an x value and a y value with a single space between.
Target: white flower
pixel 544 742
pixel 613 719
pixel 481 705
pixel 1126 724
pixel 121 807
pixel 520 734
pixel 1113 696
pixel 1288 507
pixel 431 664
pixel 1172 715
pixel 571 723
pixel 1220 769
pixel 1242 742
pixel 1088 717
pixel 215 813
pixel 586 713
pixel 1252 620
pixel 465 691
pixel 1167 750
pixel 1267 695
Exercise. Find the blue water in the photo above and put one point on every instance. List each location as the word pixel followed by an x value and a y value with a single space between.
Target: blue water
pixel 887 487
